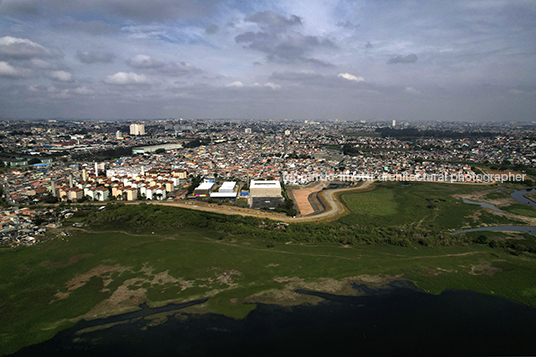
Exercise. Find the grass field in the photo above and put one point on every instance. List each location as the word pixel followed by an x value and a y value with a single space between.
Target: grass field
pixel 134 254
pixel 521 209
pixel 97 274
pixel 424 206
pixel 496 195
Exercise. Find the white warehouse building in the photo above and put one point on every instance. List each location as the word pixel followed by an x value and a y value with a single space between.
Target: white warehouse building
pixel 227 190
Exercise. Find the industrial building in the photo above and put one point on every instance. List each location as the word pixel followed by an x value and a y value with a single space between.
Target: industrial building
pixel 227 190
pixel 265 194
pixel 153 148
pixel 265 188
pixel 204 189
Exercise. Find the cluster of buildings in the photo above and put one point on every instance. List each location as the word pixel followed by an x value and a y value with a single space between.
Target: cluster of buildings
pixel 237 152
pixel 17 226
pixel 266 193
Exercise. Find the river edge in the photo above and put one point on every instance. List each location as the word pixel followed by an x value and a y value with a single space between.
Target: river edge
pixel 295 293
pixel 371 314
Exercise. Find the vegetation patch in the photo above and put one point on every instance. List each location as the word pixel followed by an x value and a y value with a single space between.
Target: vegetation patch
pixel 131 254
pixel 521 209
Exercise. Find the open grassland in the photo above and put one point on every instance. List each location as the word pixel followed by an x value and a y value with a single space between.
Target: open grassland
pixel 496 195
pixel 87 275
pixel 428 207
pixel 521 209
pixel 130 254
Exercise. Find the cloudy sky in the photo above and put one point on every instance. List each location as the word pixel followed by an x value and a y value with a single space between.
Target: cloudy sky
pixel 298 59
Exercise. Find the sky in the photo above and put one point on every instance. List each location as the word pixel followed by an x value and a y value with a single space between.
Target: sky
pixel 407 60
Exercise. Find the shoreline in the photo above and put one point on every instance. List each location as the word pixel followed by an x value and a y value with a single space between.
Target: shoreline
pixel 368 314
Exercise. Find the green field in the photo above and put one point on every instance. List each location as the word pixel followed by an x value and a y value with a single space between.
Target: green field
pixel 521 209
pixel 496 195
pixel 421 206
pixel 155 254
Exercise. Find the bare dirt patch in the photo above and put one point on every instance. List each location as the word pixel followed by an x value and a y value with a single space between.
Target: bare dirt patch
pixel 164 278
pixel 438 271
pixel 475 216
pixel 226 277
pixel 288 296
pixel 331 286
pixel 301 197
pixel 480 196
pixel 61 296
pixel 484 268
pixel 122 300
pixel 82 279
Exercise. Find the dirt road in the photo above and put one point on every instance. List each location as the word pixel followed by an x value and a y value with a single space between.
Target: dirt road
pixel 334 208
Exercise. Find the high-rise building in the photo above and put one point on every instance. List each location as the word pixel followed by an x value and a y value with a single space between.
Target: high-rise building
pixel 137 129
pixel 394 123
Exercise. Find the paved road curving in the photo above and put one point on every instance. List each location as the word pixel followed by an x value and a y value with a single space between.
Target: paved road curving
pixel 333 207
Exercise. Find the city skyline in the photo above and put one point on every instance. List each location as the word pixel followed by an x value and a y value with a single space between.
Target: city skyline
pixel 348 60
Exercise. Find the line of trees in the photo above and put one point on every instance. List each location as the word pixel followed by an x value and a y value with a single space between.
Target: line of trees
pixel 150 217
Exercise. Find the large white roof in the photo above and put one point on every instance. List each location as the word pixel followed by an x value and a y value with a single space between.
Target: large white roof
pixel 265 184
pixel 205 186
pixel 228 185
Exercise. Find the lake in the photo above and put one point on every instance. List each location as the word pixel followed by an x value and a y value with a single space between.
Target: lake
pixel 395 319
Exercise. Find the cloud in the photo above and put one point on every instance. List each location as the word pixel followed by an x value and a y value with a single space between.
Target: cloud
pixel 411 58
pixel 142 10
pixel 40 64
pixel 348 25
pixel 126 78
pixel 326 82
pixel 162 66
pixel 272 85
pixel 94 28
pixel 20 48
pixel 211 29
pixel 280 40
pixel 236 84
pixel 144 61
pixel 412 90
pixel 83 91
pixel 94 57
pixel 273 20
pixel 515 91
pixel 351 77
pixel 7 70
pixel 61 76
pixel 285 47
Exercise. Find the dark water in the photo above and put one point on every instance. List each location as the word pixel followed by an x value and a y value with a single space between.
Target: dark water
pixel 522 229
pixel 519 195
pixel 483 204
pixel 395 320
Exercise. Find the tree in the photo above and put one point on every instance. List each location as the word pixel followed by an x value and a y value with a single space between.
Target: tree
pixel 48 198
